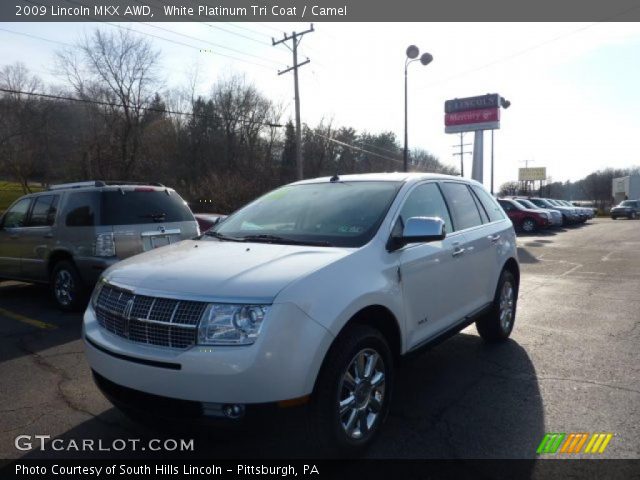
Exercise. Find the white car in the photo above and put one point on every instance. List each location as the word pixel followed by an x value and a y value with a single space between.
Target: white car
pixel 309 294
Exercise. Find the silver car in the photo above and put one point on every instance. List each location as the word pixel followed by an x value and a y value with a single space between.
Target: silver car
pixel 67 235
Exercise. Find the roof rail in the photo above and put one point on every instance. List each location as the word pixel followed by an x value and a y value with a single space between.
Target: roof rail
pixel 100 183
pixel 63 186
pixel 117 182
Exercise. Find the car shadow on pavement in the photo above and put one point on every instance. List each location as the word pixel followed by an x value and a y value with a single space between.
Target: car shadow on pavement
pixel 525 257
pixel 462 399
pixel 30 321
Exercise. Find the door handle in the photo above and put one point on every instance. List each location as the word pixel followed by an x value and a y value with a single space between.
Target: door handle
pixel 458 251
pixel 494 238
pixel 13 236
pixel 48 235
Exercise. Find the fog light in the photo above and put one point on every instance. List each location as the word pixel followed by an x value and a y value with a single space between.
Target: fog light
pixel 233 411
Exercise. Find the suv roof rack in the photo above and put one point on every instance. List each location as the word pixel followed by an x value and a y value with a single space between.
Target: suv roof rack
pixel 99 183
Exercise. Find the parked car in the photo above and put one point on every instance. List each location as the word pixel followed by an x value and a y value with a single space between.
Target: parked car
pixel 308 295
pixel 69 234
pixel 585 213
pixel 569 215
pixel 208 220
pixel 526 219
pixel 628 208
pixel 556 216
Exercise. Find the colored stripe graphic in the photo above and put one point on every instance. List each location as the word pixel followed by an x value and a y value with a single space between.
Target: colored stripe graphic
pixel 572 443
pixel 550 443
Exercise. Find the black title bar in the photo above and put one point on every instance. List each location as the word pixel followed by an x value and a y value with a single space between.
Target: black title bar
pixel 318 11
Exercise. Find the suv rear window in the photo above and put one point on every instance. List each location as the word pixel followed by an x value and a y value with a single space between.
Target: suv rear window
pixel 143 206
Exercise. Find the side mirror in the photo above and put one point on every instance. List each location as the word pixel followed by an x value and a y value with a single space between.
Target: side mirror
pixel 418 230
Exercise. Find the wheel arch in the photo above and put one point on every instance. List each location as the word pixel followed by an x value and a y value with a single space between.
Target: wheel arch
pixel 57 256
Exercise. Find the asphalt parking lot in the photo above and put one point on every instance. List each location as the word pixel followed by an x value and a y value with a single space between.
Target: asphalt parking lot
pixel 572 365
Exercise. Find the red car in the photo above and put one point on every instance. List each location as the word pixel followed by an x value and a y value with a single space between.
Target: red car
pixel 524 218
pixel 208 220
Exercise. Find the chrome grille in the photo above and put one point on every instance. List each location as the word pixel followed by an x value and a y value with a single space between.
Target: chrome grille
pixel 151 320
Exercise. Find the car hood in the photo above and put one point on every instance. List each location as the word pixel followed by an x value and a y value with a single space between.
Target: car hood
pixel 221 271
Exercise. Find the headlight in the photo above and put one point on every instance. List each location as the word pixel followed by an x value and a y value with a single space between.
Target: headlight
pixel 223 324
pixel 96 293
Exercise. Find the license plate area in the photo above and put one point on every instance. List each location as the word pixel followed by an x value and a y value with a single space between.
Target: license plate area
pixel 160 241
pixel 156 239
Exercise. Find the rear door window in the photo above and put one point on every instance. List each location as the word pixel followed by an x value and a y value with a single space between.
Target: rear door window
pixel 462 205
pixel 44 210
pixel 142 206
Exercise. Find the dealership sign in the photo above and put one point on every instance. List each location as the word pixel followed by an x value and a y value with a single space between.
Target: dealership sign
pixel 472 113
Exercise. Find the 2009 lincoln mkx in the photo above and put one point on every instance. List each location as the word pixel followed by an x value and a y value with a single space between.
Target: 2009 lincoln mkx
pixel 309 293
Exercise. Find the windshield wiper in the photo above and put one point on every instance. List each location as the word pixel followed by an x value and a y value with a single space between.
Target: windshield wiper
pixel 286 241
pixel 219 236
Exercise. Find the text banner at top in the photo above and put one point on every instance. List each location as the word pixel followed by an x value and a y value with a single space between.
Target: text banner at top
pixel 318 11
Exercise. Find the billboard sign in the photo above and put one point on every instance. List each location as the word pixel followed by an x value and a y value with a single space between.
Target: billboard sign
pixel 532 174
pixel 472 113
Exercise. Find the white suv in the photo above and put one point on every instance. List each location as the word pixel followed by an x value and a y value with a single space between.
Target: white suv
pixel 309 294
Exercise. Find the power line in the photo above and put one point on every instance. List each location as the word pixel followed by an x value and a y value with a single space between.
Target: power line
pixel 120 105
pixel 37 37
pixel 344 144
pixel 176 42
pixel 523 51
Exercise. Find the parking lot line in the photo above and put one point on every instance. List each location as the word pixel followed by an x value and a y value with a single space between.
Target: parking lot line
pixel 30 321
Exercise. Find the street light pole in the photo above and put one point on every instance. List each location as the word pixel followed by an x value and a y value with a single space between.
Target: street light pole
pixel 425 59
pixel 405 153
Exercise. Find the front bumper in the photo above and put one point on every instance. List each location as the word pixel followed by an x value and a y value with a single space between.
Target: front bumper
pixel 282 364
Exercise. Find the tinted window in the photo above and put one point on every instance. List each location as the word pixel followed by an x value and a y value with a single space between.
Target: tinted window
pixel 462 206
pixel 506 205
pixel 16 215
pixel 426 201
pixel 345 214
pixel 81 209
pixel 44 210
pixel 143 206
pixel 488 202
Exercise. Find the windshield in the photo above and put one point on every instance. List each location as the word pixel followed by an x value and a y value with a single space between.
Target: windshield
pixel 344 214
pixel 627 203
pixel 527 203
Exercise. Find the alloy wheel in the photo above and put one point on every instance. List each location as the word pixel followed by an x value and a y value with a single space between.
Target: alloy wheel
pixel 63 287
pixel 507 296
pixel 361 394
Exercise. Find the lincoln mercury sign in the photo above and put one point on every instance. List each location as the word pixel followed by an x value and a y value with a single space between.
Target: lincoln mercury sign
pixel 532 174
pixel 472 113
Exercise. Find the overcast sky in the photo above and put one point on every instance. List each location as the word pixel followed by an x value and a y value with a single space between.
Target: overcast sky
pixel 574 87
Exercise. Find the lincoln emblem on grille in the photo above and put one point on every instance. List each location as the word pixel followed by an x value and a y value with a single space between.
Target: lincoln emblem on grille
pixel 127 315
pixel 161 228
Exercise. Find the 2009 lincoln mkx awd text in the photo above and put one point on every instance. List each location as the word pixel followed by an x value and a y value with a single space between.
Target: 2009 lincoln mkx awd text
pixel 310 293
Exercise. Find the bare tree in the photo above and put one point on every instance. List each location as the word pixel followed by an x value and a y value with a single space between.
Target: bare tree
pixel 119 69
pixel 23 125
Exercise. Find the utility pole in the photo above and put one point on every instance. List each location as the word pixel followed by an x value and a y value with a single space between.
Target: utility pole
pixel 462 152
pixel 295 41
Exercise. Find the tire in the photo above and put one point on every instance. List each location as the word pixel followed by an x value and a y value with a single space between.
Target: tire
pixel 529 225
pixel 349 433
pixel 67 288
pixel 613 218
pixel 633 216
pixel 497 324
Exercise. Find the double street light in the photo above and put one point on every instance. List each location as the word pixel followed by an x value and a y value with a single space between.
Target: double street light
pixel 425 59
